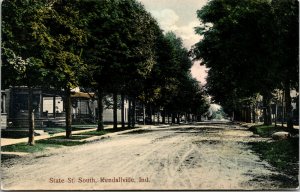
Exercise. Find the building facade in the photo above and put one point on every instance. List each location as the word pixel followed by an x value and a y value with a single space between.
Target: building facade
pixel 49 108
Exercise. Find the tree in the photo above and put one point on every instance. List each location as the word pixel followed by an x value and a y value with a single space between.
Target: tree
pixel 286 15
pixel 177 92
pixel 238 48
pixel 22 64
pixel 61 36
pixel 119 51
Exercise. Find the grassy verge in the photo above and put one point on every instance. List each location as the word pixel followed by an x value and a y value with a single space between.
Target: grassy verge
pixel 95 133
pixel 282 154
pixel 40 145
pixel 266 130
pixel 53 130
pixel 60 142
pixel 23 147
pixel 73 137
pixel 55 142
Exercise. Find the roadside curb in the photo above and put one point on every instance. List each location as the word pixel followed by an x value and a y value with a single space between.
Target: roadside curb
pixel 109 135
pixel 88 140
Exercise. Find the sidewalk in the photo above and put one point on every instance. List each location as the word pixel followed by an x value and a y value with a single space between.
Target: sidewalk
pixel 9 141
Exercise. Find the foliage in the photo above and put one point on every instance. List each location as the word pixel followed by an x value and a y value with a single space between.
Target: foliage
pixel 170 85
pixel 244 46
pixel 121 33
pixel 21 61
pixel 109 46
pixel 61 36
pixel 286 15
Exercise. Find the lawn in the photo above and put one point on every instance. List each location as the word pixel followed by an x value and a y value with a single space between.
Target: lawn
pixel 73 137
pixel 55 142
pixel 40 145
pixel 63 142
pixel 266 130
pixel 95 133
pixel 282 154
pixel 24 147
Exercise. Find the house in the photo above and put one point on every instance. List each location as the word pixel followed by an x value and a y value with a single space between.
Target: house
pixel 49 108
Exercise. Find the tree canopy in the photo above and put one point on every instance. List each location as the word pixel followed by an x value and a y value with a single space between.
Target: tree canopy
pixel 108 47
pixel 245 45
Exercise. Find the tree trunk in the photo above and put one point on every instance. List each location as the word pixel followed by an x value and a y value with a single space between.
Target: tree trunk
pixel 151 113
pixel 30 117
pixel 186 119
pixel 164 117
pixel 173 117
pixel 249 114
pixel 129 113
pixel 133 112
pixel 253 114
pixel 267 109
pixel 178 120
pixel 288 106
pixel 158 117
pixel 115 110
pixel 276 110
pixel 283 109
pixel 100 110
pixel 54 106
pixel 144 114
pixel 122 111
pixel 68 113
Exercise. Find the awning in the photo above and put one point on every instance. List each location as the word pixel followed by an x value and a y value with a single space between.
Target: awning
pixel 82 95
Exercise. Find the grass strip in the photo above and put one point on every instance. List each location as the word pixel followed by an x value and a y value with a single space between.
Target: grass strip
pixel 73 137
pixel 60 142
pixel 266 130
pixel 24 147
pixel 282 154
pixel 40 145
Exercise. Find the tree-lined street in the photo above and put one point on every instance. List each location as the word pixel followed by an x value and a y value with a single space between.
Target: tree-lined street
pixel 86 59
pixel 203 156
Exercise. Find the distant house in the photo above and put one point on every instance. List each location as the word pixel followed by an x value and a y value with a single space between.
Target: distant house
pixel 49 108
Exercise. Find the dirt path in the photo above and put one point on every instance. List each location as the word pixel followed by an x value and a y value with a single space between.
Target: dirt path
pixel 182 157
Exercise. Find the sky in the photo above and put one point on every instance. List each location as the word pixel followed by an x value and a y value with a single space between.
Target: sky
pixel 180 17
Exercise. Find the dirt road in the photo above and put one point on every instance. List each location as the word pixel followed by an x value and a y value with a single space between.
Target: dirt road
pixel 207 156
